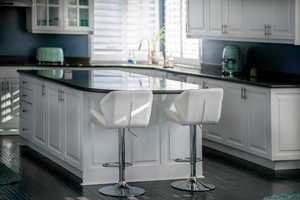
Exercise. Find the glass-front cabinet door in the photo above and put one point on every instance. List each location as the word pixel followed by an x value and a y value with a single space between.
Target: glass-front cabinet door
pixel 78 14
pixel 48 14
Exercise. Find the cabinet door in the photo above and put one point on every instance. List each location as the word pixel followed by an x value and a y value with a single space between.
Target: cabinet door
pixel 282 21
pixel 78 14
pixel 233 12
pixel 258 120
pixel 196 22
pixel 47 15
pixel 40 102
pixel 73 128
pixel 256 14
pixel 231 130
pixel 56 121
pixel 215 132
pixel 216 19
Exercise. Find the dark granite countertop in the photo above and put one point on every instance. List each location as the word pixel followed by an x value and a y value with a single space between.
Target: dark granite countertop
pixel 267 80
pixel 106 80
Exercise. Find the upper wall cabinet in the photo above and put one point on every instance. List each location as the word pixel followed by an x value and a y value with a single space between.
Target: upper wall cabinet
pixel 61 16
pixel 243 20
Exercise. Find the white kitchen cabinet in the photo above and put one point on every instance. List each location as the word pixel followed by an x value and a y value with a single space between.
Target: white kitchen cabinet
pixel 196 22
pixel 51 118
pixel 233 11
pixel 231 128
pixel 73 123
pixel 216 20
pixel 60 17
pixel 78 15
pixel 40 114
pixel 56 121
pixel 47 15
pixel 258 121
pixel 245 118
pixel 282 26
pixel 246 20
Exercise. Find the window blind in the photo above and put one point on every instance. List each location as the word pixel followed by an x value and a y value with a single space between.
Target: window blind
pixel 120 25
pixel 178 46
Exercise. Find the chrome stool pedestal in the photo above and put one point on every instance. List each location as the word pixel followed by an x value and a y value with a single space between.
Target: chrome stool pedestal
pixel 193 184
pixel 192 108
pixel 122 189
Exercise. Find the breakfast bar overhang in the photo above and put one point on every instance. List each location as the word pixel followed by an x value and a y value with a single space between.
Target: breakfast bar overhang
pixel 56 107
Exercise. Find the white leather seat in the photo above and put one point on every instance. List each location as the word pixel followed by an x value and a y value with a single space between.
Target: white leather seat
pixel 125 109
pixel 195 107
pixel 120 110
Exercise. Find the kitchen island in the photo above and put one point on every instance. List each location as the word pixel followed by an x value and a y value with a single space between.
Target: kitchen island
pixel 56 122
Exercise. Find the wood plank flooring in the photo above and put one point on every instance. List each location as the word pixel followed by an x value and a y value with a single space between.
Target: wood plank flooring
pixel 233 182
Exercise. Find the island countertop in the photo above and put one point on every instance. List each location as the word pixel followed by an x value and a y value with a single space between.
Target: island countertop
pixel 107 80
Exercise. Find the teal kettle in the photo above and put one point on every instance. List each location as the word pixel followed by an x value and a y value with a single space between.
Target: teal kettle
pixel 231 64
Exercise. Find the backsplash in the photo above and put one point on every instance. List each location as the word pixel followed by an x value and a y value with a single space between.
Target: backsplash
pixel 16 41
pixel 265 57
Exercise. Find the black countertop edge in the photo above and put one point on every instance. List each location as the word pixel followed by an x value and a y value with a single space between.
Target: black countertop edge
pixel 185 71
pixel 84 89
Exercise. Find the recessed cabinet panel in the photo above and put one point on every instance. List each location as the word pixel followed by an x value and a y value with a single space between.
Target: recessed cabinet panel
pixel 257 14
pixel 73 122
pixel 258 108
pixel 56 121
pixel 289 126
pixel 40 101
pixel 215 17
pixel 282 26
pixel 197 16
pixel 234 17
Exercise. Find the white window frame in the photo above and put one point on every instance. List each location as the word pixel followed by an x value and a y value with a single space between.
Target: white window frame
pixel 123 55
pixel 195 63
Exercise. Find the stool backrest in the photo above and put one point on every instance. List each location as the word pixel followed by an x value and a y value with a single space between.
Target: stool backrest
pixel 202 106
pixel 127 109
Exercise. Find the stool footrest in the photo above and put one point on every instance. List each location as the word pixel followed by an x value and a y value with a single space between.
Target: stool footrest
pixel 116 164
pixel 183 160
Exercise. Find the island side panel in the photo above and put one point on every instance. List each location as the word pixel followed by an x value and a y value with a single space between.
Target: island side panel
pixel 152 151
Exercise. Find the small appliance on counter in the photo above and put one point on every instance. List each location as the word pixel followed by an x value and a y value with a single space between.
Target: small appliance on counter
pixel 231 65
pixel 54 56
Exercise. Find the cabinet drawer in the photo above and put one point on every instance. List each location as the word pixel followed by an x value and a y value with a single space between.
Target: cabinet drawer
pixel 26 95
pixel 25 83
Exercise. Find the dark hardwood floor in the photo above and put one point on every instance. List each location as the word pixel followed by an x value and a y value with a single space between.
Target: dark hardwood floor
pixel 232 181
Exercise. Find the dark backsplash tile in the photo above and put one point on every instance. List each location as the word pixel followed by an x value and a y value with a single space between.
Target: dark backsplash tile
pixel 16 41
pixel 283 58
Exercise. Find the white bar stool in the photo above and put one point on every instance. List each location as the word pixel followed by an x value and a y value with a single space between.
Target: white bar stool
pixel 120 110
pixel 192 108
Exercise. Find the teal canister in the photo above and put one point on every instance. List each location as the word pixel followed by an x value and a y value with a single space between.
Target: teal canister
pixel 231 60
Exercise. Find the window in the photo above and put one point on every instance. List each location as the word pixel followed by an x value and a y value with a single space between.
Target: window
pixel 178 46
pixel 120 26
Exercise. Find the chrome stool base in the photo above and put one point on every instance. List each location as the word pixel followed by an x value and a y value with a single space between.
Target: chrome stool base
pixel 192 186
pixel 121 191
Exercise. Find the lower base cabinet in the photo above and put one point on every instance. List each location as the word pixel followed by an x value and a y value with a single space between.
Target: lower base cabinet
pixel 258 121
pixel 56 121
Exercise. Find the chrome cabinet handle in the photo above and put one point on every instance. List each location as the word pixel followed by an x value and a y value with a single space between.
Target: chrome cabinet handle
pixel 62 96
pixel 7 85
pixel 43 90
pixel 204 86
pixel 269 30
pixel 242 93
pixel 266 33
pixel 245 94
